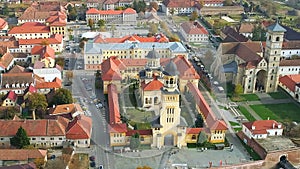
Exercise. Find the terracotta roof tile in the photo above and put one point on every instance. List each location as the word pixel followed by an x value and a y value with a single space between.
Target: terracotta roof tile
pixel 54 39
pixel 141 132
pixel 14 78
pixel 30 27
pixel 111 12
pixel 6 60
pixel 111 68
pixel 261 126
pixel 194 28
pixel 193 130
pixel 290 81
pixel 295 62
pixel 153 85
pixel 17 69
pixel 3 23
pixel 117 128
pixel 79 128
pixel 246 28
pixel 43 51
pixel 179 4
pixel 65 109
pixel 56 83
pixel 11 95
pixel 21 154
pixel 113 103
pixel 291 45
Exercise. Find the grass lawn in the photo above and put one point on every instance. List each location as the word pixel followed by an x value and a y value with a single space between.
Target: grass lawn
pixel 245 112
pixel 79 161
pixel 186 115
pixel 140 126
pixel 250 97
pixel 252 153
pixel 278 112
pixel 279 95
pixel 139 116
pixel 232 123
pixel 180 19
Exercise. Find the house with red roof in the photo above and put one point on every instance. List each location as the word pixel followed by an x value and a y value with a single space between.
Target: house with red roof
pixel 127 16
pixel 261 129
pixel 150 89
pixel 69 111
pixel 3 27
pixel 194 32
pixel 175 7
pixel 30 30
pixel 6 61
pixel 10 99
pixel 54 41
pixel 133 38
pixel 291 84
pixel 192 134
pixel 45 87
pixel 45 54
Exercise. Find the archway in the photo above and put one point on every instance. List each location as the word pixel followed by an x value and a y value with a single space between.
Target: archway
pixel 169 140
pixel 283 158
pixel 260 80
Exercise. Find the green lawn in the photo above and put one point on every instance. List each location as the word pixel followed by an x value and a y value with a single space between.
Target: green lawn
pixel 139 116
pixel 252 153
pixel 250 97
pixel 140 126
pixel 279 95
pixel 245 112
pixel 232 123
pixel 186 115
pixel 279 112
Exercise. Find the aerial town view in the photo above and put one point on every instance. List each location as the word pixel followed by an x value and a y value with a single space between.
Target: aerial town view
pixel 149 84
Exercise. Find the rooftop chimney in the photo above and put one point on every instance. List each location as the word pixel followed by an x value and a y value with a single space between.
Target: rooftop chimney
pixel 67 108
pixel 253 127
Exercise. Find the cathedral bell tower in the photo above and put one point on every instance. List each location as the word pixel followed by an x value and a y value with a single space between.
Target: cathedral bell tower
pixel 274 41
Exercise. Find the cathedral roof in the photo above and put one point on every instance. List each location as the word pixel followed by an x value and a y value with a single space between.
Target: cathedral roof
pixel 153 85
pixel 153 54
pixel 171 69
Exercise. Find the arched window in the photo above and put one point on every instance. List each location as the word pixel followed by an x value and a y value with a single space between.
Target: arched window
pixel 193 137
pixel 277 39
pixel 269 37
pixel 171 81
pixel 146 100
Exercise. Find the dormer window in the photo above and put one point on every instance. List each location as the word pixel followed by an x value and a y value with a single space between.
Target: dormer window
pixel 27 84
pixel 22 85
pixel 13 85
pixel 7 85
pixel 18 85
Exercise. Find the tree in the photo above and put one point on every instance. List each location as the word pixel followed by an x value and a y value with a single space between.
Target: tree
pixel 60 61
pixel 139 6
pixel 39 162
pixel 172 11
pixel 227 3
pixel 20 140
pixel 69 75
pixel 258 34
pixel 208 58
pixel 153 28
pixel 101 23
pixel 238 90
pixel 62 96
pixel 5 10
pixel 194 16
pixel 154 5
pixel 37 101
pixel 10 112
pixel 135 141
pixel 45 42
pixel 202 138
pixel 198 121
pixel 91 23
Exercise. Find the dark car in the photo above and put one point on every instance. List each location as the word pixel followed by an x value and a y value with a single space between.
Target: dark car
pixel 100 167
pixel 93 164
pixel 92 158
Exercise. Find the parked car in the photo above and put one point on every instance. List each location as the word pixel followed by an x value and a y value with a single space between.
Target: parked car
pixel 92 158
pixel 93 164
pixel 101 167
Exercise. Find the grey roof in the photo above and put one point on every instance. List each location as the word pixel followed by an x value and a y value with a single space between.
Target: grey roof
pixel 153 54
pixel 171 69
pixel 92 48
pixel 182 123
pixel 276 28
pixel 155 123
pixel 230 67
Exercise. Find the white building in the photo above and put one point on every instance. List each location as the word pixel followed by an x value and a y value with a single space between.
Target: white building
pixel 261 129
pixel 289 67
pixel 194 32
pixel 30 30
pixel 291 84
pixel 49 74
pixel 290 48
pixel 3 27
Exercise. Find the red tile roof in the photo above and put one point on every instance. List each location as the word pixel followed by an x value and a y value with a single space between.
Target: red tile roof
pixel 6 60
pixel 56 83
pixel 141 132
pixel 208 116
pixel 194 28
pixel 111 12
pixel 17 69
pixel 113 103
pixel 179 4
pixel 193 130
pixel 133 38
pixel 134 62
pixel 43 51
pixel 3 23
pixel 54 39
pixel 11 95
pixel 111 68
pixel 290 81
pixel 65 109
pixel 117 128
pixel 21 154
pixel 30 89
pixel 291 45
pixel 79 128
pixel 153 85
pixel 30 27
pixel 40 127
pixel 261 126
pixel 295 62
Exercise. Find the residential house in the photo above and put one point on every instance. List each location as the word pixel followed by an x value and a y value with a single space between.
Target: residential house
pixel 93 58
pixel 21 166
pixel 21 156
pixel 289 67
pixel 79 131
pixel 127 16
pixel 45 87
pixel 54 41
pixel 229 34
pixel 174 7
pixel 93 4
pixel 30 30
pixel 8 43
pixel 192 134
pixel 291 84
pixel 290 48
pixel 69 111
pixel 45 54
pixel 246 29
pixel 112 4
pixel 3 27
pixel 49 132
pixel 57 22
pixel 213 3
pixel 145 136
pixel 261 129
pixel 16 82
pixel 10 99
pixel 194 32
pixel 6 62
